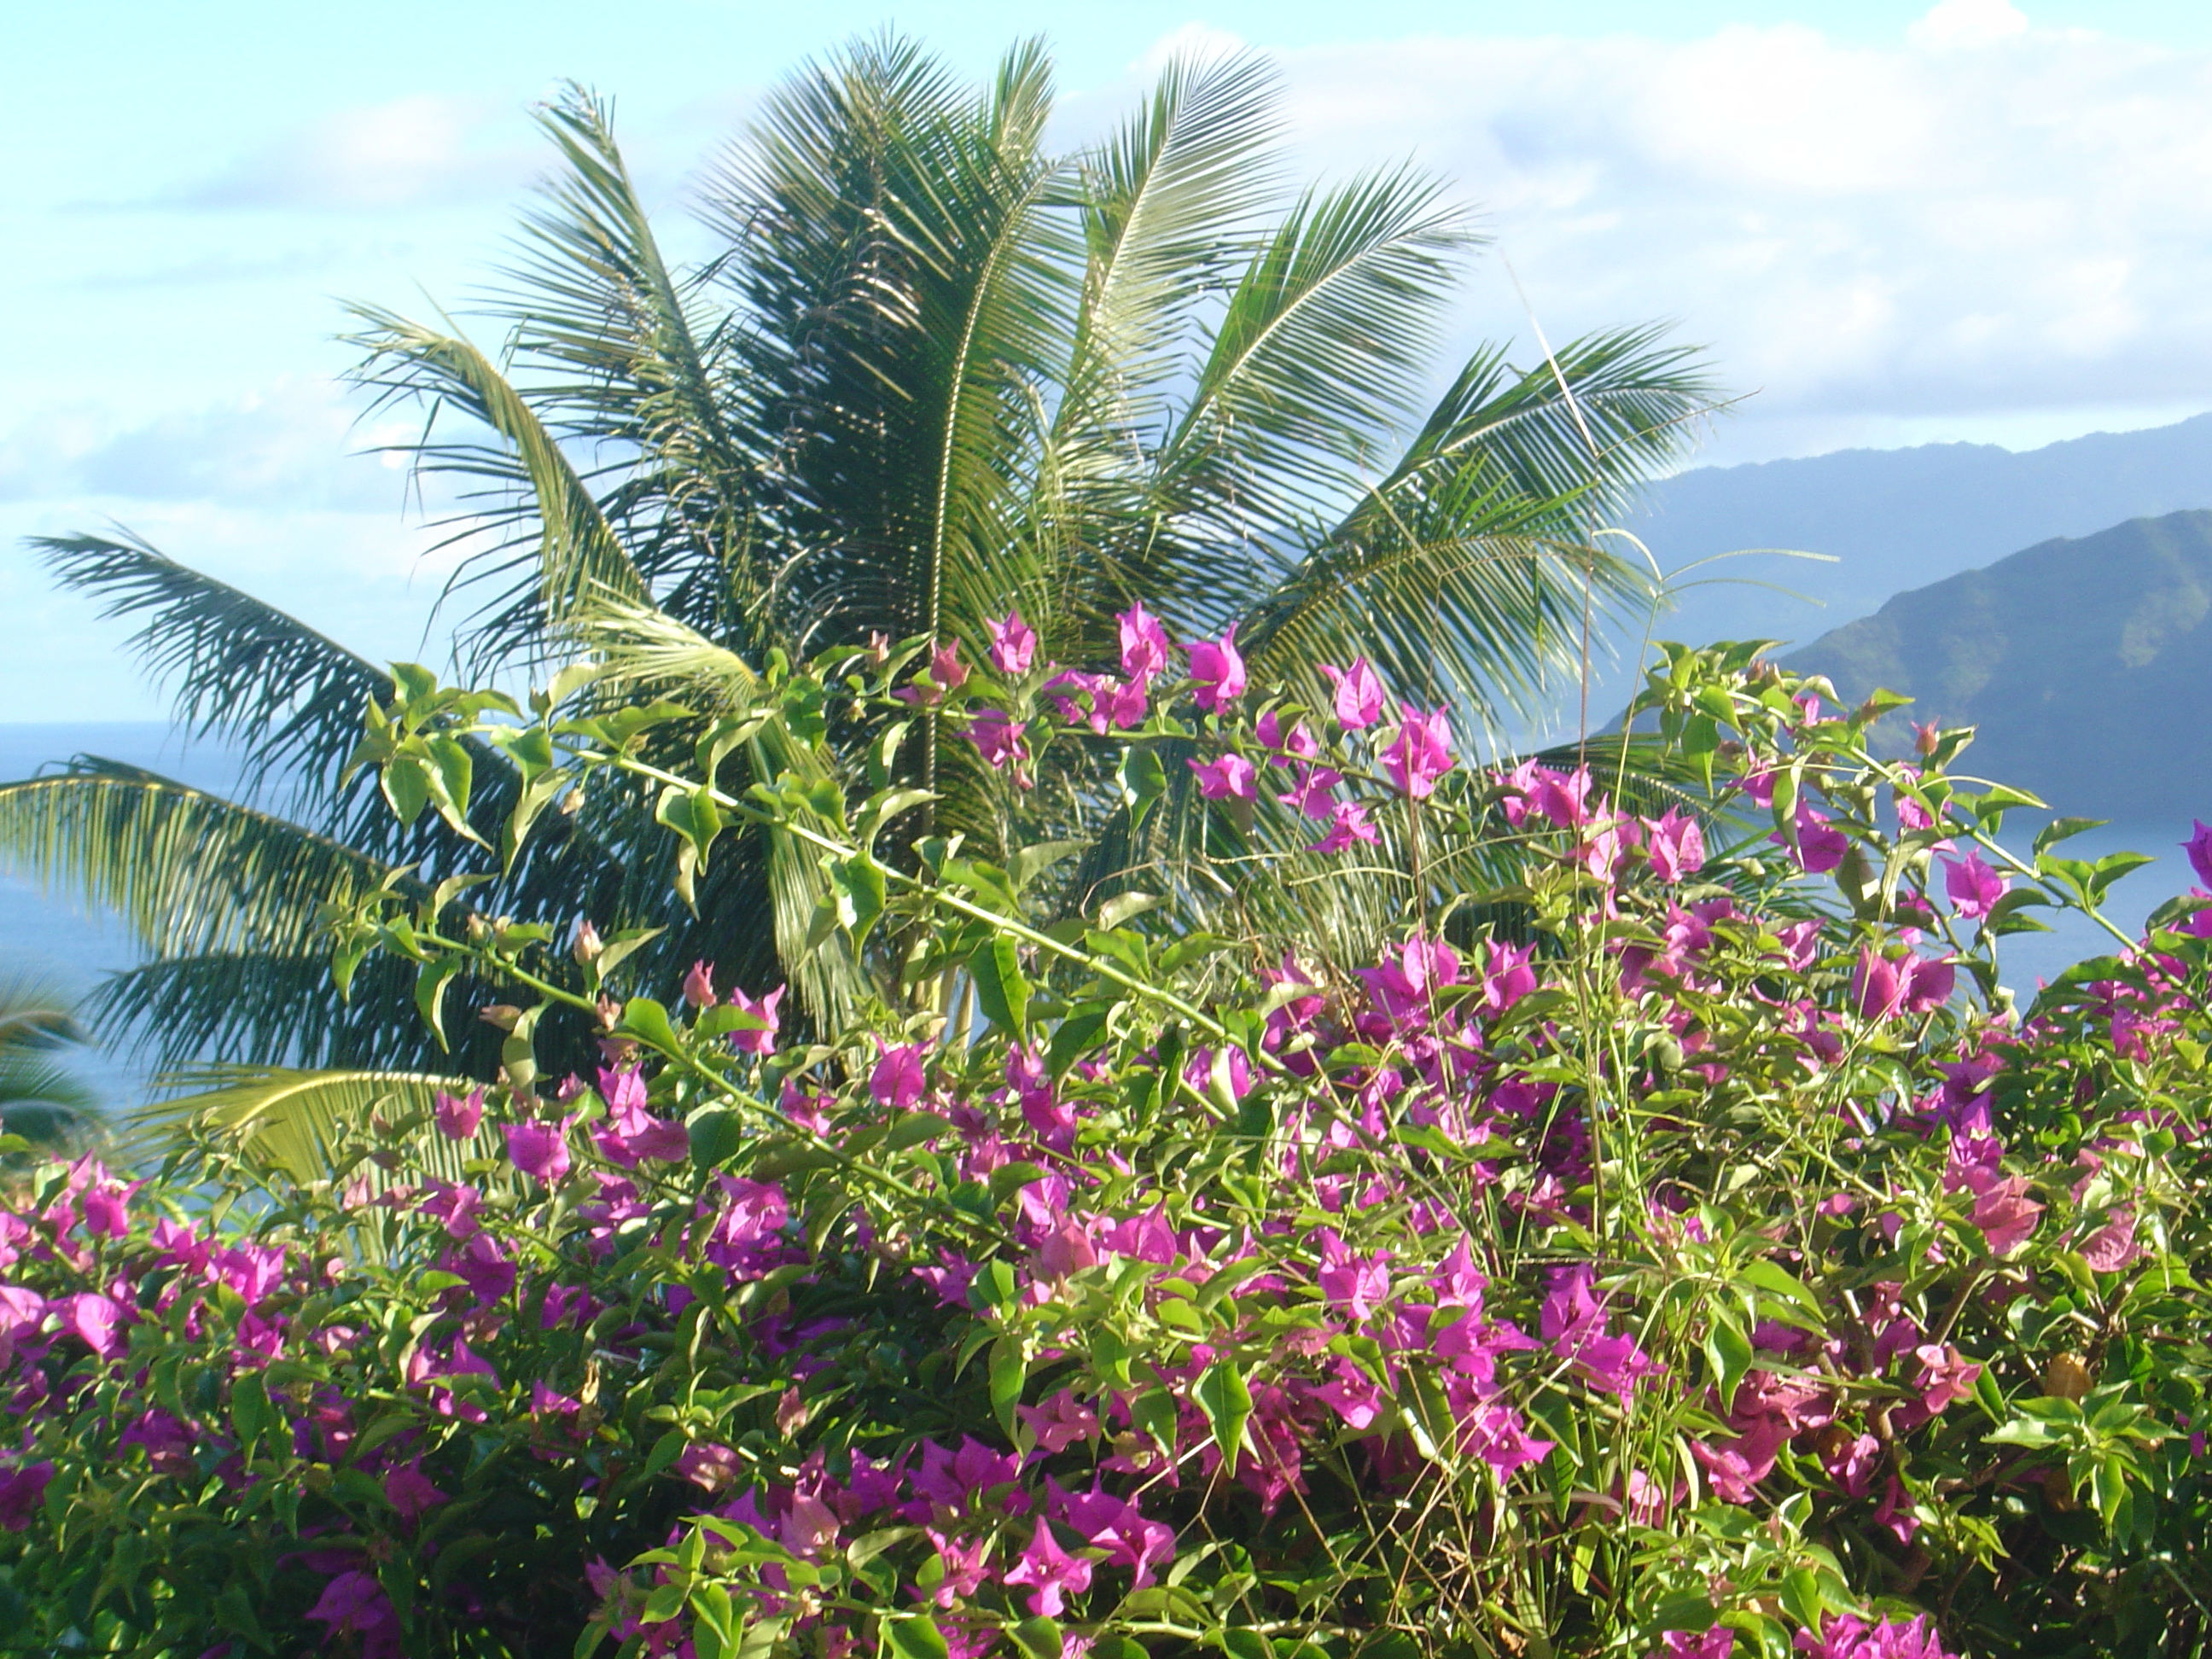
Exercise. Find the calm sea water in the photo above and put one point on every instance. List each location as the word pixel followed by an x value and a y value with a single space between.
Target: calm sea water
pixel 54 939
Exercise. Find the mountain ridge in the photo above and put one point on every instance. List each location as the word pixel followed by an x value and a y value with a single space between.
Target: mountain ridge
pixel 2077 658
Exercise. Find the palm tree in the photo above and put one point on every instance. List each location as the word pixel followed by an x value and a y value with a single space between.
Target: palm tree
pixel 934 370
pixel 41 1100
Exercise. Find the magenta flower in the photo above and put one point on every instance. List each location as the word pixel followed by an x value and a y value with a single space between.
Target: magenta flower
pixel 1013 644
pixel 1316 794
pixel 2113 1246
pixel 1050 1571
pixel 1499 1436
pixel 998 738
pixel 1108 1523
pixel 354 1603
pixel 1718 1643
pixel 1230 776
pixel 1563 798
pixel 1573 1321
pixel 1357 1284
pixel 947 668
pixel 1059 1422
pixel 1298 744
pixel 1507 975
pixel 2003 1211
pixel 1349 825
pixel 1354 1396
pixel 1219 672
pixel 540 1149
pixel 1821 845
pixel 1973 886
pixel 1843 1637
pixel 896 1081
pixel 457 1117
pixel 1946 1376
pixel 1359 695
pixel 760 1042
pixel 99 1320
pixel 709 1465
pixel 966 1565
pixel 1144 644
pixel 699 986
pixel 1420 754
pixel 408 1490
pixel 1883 988
pixel 21 1492
pixel 1402 988
pixel 1676 844
pixel 2199 847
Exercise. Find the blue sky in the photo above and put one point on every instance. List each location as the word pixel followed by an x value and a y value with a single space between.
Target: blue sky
pixel 1888 223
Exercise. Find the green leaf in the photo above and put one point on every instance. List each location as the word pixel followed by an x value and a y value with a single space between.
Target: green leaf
pixel 717 1136
pixel 1727 1350
pixel 430 982
pixel 644 1018
pixel 862 891
pixel 1123 906
pixel 1075 1036
pixel 2060 830
pixel 1142 781
pixel 1223 1396
pixel 1001 989
pixel 914 1636
pixel 1009 1372
pixel 1801 1594
pixel 1030 862
pixel 250 1412
pixel 1039 1638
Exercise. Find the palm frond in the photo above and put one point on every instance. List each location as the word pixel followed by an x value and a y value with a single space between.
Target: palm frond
pixel 1308 370
pixel 1466 573
pixel 577 553
pixel 299 1120
pixel 188 870
pixel 624 356
pixel 239 670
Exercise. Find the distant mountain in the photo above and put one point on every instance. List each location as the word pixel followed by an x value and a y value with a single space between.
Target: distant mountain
pixel 1894 519
pixel 2087 663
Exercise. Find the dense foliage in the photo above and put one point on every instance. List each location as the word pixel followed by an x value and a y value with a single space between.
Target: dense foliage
pixel 1681 1248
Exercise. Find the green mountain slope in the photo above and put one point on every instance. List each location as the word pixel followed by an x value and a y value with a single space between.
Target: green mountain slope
pixel 2086 664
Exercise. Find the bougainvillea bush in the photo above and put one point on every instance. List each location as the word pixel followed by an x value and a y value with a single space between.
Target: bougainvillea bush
pixel 1681 1248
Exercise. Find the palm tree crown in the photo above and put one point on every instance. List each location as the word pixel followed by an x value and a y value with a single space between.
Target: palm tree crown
pixel 935 371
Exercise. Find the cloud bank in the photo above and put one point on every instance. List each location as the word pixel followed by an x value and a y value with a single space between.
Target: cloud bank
pixel 1986 221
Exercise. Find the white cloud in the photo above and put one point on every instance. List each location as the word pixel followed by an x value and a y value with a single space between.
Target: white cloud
pixel 297 444
pixel 1984 220
pixel 1967 23
pixel 416 151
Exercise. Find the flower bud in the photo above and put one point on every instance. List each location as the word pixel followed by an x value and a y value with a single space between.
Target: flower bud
pixel 2066 1378
pixel 699 986
pixel 588 945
